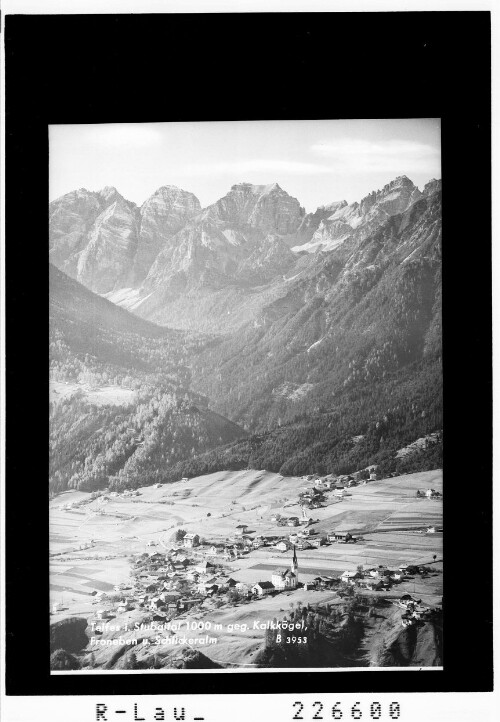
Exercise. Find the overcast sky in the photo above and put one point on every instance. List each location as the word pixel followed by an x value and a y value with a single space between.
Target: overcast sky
pixel 316 161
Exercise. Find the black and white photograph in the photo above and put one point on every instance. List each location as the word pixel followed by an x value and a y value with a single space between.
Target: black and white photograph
pixel 246 395
pixel 245 348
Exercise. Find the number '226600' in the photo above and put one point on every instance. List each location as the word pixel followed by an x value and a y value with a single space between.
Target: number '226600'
pixel 320 712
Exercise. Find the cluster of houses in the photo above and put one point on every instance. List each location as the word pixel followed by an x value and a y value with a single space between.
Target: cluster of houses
pixel 332 481
pixel 314 497
pixel 429 494
pixel 414 610
pixel 166 584
pixel 102 497
pixel 375 578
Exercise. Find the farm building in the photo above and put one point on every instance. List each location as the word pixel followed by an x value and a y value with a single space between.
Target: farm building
pixel 263 588
pixel 432 494
pixel 156 557
pixel 397 576
pixel 343 478
pixel 102 614
pixel 325 582
pixel 316 542
pixel 372 584
pixel 187 603
pixel 241 529
pixel 157 603
pixel 191 540
pixel 283 546
pixel 348 577
pixel 214 550
pixel 306 532
pixel 341 536
pixel 204 567
pixel 304 544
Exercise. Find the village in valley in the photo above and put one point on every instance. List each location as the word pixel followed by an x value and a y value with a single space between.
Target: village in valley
pixel 236 546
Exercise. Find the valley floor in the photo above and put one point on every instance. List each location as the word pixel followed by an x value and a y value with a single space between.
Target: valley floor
pixel 91 546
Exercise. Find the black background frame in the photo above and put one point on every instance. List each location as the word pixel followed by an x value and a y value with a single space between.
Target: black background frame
pixel 144 68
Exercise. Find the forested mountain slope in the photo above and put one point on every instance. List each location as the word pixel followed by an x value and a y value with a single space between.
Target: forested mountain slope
pixel 356 320
pixel 95 344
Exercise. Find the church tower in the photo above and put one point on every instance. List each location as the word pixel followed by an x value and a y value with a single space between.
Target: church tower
pixel 295 566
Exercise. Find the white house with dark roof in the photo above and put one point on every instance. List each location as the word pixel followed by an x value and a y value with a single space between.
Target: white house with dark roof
pixel 191 540
pixel 349 577
pixel 283 546
pixel 263 588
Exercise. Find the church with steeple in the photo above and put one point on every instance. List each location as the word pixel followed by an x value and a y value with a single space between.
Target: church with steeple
pixel 287 578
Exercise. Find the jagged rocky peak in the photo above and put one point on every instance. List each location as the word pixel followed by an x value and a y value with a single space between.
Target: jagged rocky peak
pixel 394 197
pixel 433 186
pixel 332 207
pixel 266 207
pixel 168 210
pixel 172 196
pixel 361 218
pixel 109 194
pixel 106 260
pixel 78 197
pixel 70 217
pixel 163 215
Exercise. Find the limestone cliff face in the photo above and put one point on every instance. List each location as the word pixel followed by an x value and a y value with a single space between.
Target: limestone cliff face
pixel 270 259
pixel 363 218
pixel 162 216
pixel 70 219
pixel 237 242
pixel 311 222
pixel 433 186
pixel 107 242
pixel 107 259
pixel 267 208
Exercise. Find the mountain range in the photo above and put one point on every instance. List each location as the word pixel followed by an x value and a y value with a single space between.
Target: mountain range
pixel 210 269
pixel 288 321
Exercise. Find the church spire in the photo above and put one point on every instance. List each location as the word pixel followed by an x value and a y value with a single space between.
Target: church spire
pixel 295 565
